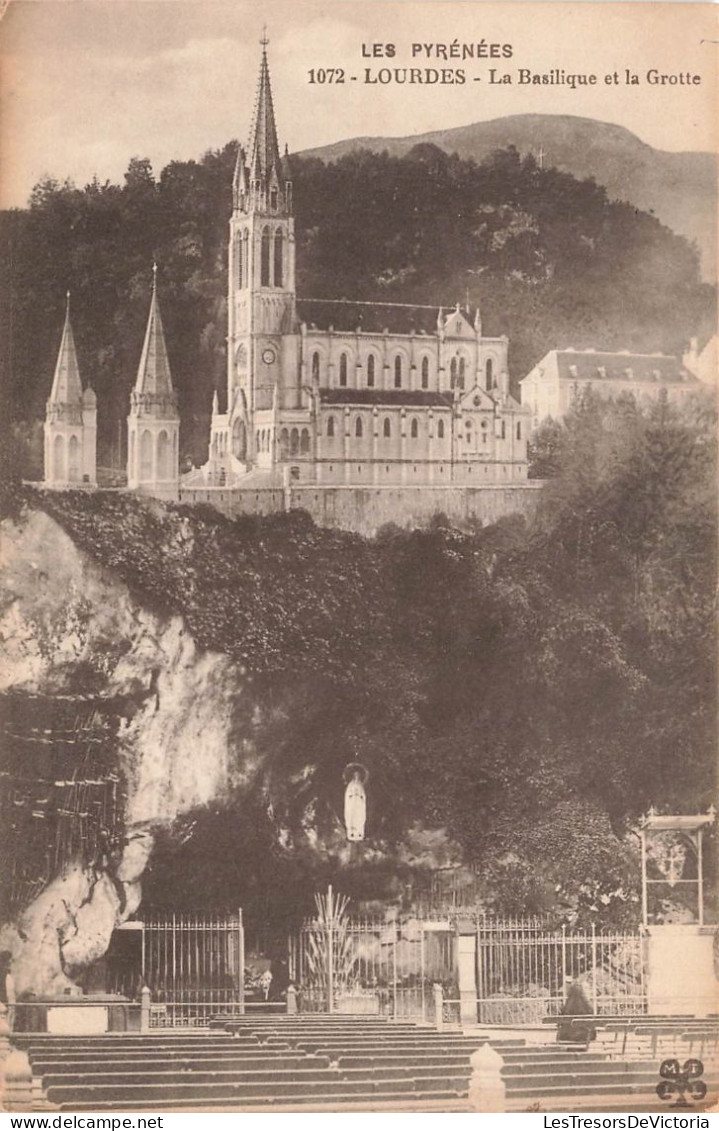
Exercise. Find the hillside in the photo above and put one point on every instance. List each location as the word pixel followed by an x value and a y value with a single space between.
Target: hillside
pixel 212 678
pixel 680 189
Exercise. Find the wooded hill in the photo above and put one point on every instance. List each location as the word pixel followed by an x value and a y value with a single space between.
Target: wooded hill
pixel 550 259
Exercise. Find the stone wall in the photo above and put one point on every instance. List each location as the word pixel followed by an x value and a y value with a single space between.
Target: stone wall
pixel 366 509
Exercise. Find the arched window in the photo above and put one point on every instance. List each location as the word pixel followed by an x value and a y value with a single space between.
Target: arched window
pixel 265 259
pixel 462 371
pixel 164 468
pixel 488 373
pixel 425 372
pixel 504 430
pixel 239 440
pixel 453 372
pixel 387 428
pixel 304 442
pixel 145 456
pixel 343 369
pixel 414 428
pixel 278 258
pixel 245 258
pixel 58 458
pixel 370 371
pixel 315 366
pixel 73 460
pixel 273 199
pixel 284 444
pixel 440 429
pixel 238 259
pixel 294 442
pixel 519 430
pixel 398 372
pixel 358 426
pixel 331 426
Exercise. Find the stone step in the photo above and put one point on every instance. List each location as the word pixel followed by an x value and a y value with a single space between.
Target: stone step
pixel 123 1094
pixel 439 1100
pixel 43 1067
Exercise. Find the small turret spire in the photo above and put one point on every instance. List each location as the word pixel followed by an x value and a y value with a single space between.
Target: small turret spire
pixel 153 374
pixel 66 383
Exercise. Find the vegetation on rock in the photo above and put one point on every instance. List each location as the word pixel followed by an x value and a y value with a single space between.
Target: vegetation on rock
pixel 530 689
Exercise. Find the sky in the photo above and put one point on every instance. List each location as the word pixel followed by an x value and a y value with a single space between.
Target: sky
pixel 85 85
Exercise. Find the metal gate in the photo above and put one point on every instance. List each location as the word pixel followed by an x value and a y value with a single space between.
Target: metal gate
pixel 522 969
pixel 343 964
pixel 194 967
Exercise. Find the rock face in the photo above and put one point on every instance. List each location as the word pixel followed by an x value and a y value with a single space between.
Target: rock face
pixel 183 736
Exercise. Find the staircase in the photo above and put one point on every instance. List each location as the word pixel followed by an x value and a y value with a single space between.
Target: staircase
pixel 315 1062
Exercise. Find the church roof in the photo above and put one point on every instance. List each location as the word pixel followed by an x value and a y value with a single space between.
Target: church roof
pixel 347 318
pixel 419 398
pixel 66 383
pixel 263 153
pixel 153 374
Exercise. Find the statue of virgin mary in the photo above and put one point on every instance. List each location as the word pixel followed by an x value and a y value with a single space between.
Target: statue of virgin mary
pixel 355 775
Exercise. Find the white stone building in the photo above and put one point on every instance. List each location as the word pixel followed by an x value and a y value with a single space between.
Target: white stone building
pixel 332 393
pixel 562 376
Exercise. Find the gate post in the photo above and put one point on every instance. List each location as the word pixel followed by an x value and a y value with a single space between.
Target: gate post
pixel 291 999
pixel 467 970
pixel 438 1005
pixel 145 1009
pixel 241 959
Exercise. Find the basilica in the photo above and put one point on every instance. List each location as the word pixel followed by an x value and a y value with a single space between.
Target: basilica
pixel 320 395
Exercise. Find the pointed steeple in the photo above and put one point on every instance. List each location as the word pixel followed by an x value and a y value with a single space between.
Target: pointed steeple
pixel 66 383
pixel 154 382
pixel 263 155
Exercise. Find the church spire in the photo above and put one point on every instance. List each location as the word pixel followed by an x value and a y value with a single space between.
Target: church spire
pixel 263 179
pixel 263 155
pixel 153 382
pixel 66 384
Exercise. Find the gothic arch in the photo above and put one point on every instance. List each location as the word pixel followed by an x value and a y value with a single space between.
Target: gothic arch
pixel 304 442
pixel 58 458
pixel 359 430
pixel 330 426
pixel 164 456
pixel 239 439
pixel 371 363
pixel 294 442
pixel 265 258
pixel 343 370
pixel 279 257
pixel 425 372
pixel 145 470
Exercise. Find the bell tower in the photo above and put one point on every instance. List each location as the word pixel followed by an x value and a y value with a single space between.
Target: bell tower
pixel 261 277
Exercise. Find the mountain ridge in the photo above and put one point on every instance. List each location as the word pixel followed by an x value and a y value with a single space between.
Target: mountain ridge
pixel 679 188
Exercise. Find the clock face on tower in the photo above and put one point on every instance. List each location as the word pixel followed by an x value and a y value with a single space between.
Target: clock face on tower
pixel 268 355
